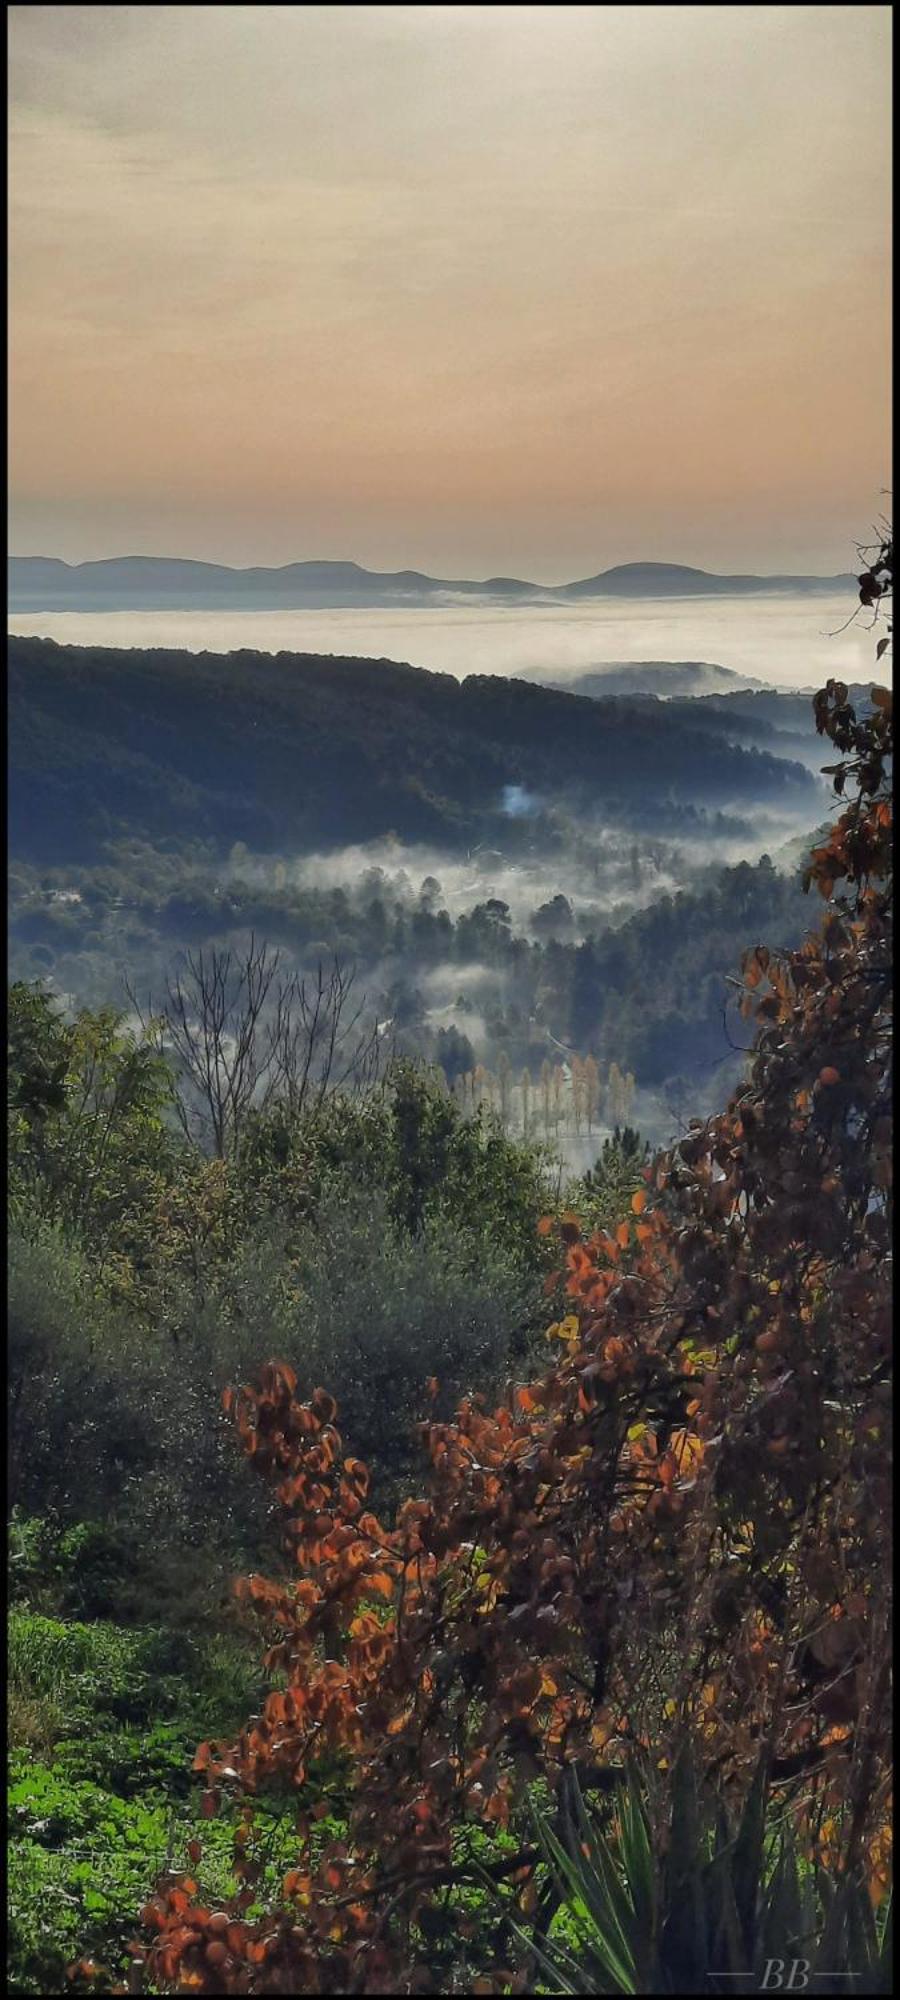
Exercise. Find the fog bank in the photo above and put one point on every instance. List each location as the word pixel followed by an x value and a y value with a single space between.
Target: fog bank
pixel 787 642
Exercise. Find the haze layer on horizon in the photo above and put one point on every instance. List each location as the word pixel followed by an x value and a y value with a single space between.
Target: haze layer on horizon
pixel 475 290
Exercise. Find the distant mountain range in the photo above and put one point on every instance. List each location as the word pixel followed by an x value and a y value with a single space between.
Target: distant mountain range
pixel 145 583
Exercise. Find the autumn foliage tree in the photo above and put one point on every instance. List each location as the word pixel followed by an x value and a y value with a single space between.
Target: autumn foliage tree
pixel 680 1532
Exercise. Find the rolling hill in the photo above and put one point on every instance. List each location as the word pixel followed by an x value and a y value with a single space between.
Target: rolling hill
pixel 141 583
pixel 295 752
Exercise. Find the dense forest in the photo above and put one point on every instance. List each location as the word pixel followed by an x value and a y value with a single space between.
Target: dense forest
pixel 558 1498
pixel 645 990
pixel 297 753
pixel 521 878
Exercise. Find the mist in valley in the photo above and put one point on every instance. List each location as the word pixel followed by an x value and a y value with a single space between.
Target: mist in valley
pixel 780 640
pixel 567 981
pixel 595 923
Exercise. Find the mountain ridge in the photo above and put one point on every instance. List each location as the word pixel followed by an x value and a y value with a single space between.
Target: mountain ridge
pixel 182 583
pixel 302 752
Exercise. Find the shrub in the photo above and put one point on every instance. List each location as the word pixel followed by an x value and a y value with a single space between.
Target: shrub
pixel 78 1382
pixel 101 1794
pixel 377 1314
pixel 712 1905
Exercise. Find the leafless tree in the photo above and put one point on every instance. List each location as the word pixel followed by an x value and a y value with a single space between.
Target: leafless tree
pixel 321 1042
pixel 244 1037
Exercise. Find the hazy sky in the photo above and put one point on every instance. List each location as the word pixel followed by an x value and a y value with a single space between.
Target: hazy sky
pixel 471 289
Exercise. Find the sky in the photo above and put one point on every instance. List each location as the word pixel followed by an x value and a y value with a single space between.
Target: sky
pixel 474 290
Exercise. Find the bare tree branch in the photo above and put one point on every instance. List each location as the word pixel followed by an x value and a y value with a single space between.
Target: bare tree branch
pixel 245 1038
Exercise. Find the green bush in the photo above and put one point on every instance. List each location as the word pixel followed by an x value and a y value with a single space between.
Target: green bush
pixel 101 1675
pixel 105 1799
pixel 410 1141
pixel 82 1861
pixel 372 1311
pixel 118 1447
pixel 78 1382
pixel 382 1242
pixel 72 1571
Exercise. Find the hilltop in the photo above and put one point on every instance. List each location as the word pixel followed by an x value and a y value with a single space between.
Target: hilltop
pixel 142 583
pixel 293 751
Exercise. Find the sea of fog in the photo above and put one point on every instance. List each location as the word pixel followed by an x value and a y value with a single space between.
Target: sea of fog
pixel 787 641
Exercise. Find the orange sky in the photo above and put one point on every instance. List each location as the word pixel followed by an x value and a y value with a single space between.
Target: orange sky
pixel 470 289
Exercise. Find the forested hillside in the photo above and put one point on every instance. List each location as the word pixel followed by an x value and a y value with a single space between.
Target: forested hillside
pixel 523 879
pixel 590 1585
pixel 296 753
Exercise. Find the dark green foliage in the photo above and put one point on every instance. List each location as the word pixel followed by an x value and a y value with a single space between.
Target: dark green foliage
pixel 646 988
pixel 76 1570
pixel 379 1242
pixel 126 1679
pixel 77 1383
pixel 302 752
pixel 453 1053
pixel 90 1139
pixel 702 1907
pixel 380 1312
pixel 652 994
pixel 410 1141
pixel 464 1169
pixel 601 1196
